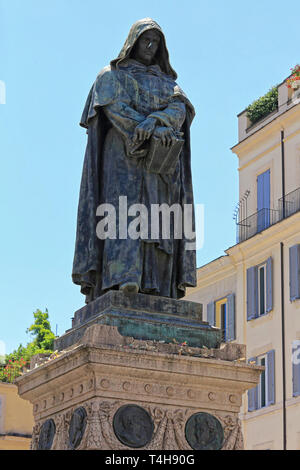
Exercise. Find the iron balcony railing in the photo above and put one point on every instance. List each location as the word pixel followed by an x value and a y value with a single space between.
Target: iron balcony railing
pixel 264 218
pixel 290 203
pixel 256 223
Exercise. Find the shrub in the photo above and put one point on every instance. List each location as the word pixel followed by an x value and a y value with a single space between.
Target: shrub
pixel 263 106
pixel 12 369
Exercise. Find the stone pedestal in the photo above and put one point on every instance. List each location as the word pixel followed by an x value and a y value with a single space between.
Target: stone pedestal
pixel 111 391
pixel 145 317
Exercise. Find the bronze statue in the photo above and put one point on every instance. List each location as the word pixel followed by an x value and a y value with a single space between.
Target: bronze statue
pixel 134 109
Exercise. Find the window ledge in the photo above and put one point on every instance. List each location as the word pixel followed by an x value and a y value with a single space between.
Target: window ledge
pixel 294 400
pixel 267 315
pixel 295 302
pixel 261 411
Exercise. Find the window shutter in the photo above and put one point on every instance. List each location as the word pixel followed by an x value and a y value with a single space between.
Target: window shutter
pixel 269 287
pixel 252 300
pixel 266 176
pixel 260 192
pixel 271 377
pixel 296 367
pixel 263 200
pixel 253 392
pixel 230 324
pixel 294 272
pixel 260 203
pixel 211 313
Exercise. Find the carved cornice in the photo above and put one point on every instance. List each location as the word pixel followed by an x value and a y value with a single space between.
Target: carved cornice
pixel 80 367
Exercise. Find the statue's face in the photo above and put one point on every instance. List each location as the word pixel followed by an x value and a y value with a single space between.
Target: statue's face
pixel 146 47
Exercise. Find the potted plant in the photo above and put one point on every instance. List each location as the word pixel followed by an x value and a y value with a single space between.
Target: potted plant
pixel 294 79
pixel 293 82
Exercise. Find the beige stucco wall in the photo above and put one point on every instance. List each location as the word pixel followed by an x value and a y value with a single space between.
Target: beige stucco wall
pixel 257 152
pixel 217 280
pixel 265 333
pixel 16 419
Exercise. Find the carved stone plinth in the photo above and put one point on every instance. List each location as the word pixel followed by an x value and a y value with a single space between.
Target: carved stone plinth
pixel 112 392
pixel 146 317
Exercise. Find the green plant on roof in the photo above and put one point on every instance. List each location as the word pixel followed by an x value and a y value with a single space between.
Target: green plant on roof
pixel 263 106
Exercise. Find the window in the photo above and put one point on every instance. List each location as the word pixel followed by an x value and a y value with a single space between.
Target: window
pixel 221 320
pixel 221 313
pixel 263 384
pixel 264 393
pixel 260 289
pixel 222 323
pixel 262 283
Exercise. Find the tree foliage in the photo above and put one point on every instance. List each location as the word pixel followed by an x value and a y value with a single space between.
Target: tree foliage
pixel 41 331
pixel 42 343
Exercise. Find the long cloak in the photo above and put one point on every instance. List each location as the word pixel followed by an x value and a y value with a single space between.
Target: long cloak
pixel 123 95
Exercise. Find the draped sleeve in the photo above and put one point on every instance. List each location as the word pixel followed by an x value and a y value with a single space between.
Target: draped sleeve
pixel 103 92
pixel 125 119
pixel 109 93
pixel 174 114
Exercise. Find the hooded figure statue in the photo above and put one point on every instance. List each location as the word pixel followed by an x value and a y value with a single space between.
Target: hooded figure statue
pixel 132 100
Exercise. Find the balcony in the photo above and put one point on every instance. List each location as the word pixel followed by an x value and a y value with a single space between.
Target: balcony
pixel 290 203
pixel 261 220
pixel 256 223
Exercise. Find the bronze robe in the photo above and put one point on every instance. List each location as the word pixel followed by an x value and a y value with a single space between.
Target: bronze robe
pixel 120 99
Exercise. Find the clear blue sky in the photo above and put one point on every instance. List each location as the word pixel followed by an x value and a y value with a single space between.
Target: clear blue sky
pixel 226 55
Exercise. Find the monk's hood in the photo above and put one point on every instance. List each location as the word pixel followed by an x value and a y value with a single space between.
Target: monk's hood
pixel 137 29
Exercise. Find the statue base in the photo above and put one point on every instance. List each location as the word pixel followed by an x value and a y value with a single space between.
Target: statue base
pixel 114 392
pixel 145 317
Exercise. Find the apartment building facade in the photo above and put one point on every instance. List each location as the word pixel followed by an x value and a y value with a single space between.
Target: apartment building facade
pixel 253 292
pixel 16 419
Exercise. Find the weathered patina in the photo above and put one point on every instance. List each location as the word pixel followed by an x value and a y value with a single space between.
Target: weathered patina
pixel 132 99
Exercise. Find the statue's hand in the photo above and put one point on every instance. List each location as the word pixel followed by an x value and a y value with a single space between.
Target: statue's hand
pixel 166 135
pixel 144 130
